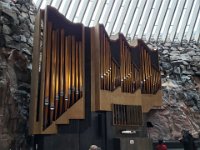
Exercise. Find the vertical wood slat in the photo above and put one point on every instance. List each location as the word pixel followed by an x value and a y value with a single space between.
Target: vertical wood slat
pixel 34 110
pixel 43 68
pixel 127 115
pixel 47 76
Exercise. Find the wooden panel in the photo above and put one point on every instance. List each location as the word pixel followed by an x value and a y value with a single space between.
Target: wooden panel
pixel 77 111
pixel 60 85
pixel 52 129
pixel 95 68
pixel 43 68
pixel 107 98
pixel 33 123
pixel 150 100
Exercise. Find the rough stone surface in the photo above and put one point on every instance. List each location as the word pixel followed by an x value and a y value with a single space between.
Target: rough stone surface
pixel 180 65
pixel 17 19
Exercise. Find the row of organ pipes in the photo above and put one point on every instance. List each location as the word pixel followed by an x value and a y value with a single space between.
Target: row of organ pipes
pixel 129 74
pixel 63 68
pixel 150 74
pixel 126 73
pixel 109 69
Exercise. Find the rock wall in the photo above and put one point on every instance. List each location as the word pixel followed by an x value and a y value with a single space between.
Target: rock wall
pixel 180 66
pixel 16 42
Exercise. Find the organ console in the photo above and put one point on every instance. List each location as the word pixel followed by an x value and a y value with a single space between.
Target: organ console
pixel 121 74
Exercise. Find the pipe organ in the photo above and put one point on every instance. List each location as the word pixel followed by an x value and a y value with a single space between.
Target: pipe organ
pixel 60 80
pixel 150 73
pixel 110 68
pixel 63 72
pixel 129 73
pixel 120 74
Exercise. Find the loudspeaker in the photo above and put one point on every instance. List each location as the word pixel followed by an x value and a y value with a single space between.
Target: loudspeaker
pixel 149 124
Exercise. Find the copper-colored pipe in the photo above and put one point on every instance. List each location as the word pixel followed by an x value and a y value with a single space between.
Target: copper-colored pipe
pixel 80 69
pixel 53 75
pixel 109 68
pixel 132 80
pixel 113 76
pixel 72 101
pixel 77 72
pixel 102 58
pixel 148 73
pixel 126 67
pixel 141 68
pixel 47 77
pixel 62 70
pixel 57 98
pixel 129 71
pixel 144 63
pixel 144 71
pixel 123 67
pixel 124 71
pixel 107 63
pixel 67 71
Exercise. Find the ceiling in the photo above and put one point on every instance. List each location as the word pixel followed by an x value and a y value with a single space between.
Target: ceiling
pixel 150 20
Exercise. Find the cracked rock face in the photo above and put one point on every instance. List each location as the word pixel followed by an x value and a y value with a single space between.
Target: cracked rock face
pixel 181 92
pixel 17 18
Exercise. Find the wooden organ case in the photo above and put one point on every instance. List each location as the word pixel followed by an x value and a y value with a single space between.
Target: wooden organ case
pixel 57 77
pixel 80 72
